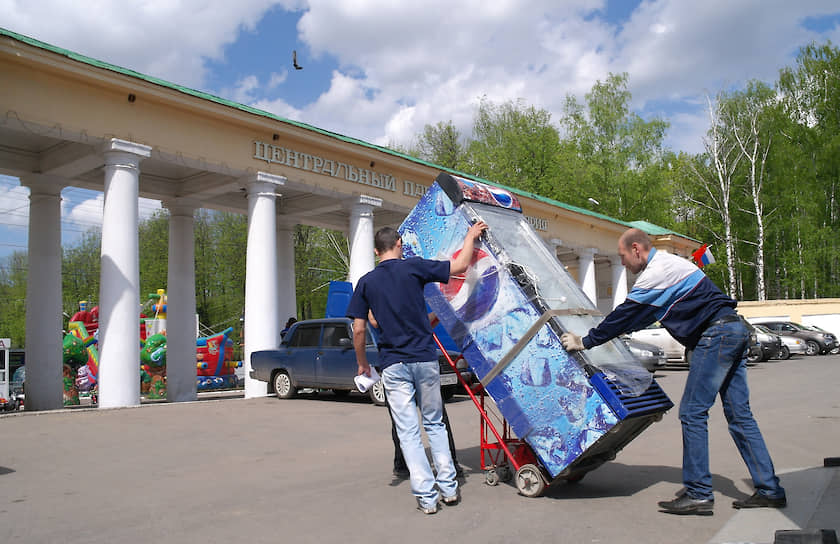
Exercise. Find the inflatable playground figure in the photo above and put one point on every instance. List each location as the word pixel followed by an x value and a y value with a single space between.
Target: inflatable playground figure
pixel 156 308
pixel 89 318
pixel 214 354
pixel 80 361
pixel 153 367
pixel 74 356
pixel 215 366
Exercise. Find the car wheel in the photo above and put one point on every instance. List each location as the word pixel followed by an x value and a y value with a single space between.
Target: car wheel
pixel 811 347
pixel 377 393
pixel 784 354
pixel 283 385
pixel 753 358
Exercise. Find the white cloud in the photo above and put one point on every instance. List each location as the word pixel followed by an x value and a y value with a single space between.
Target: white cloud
pixel 170 40
pixel 401 65
pixel 82 208
pixel 14 202
pixel 432 61
pixel 277 79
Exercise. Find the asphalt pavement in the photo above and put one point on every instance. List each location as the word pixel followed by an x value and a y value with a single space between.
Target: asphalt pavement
pixel 317 468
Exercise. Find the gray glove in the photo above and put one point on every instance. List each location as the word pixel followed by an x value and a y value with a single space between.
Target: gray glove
pixel 572 342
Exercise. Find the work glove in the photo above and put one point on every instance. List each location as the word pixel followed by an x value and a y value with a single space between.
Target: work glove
pixel 572 342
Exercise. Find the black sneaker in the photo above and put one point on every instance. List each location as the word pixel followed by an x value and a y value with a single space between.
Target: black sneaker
pixel 758 500
pixel 685 505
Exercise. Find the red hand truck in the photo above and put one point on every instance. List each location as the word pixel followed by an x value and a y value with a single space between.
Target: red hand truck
pixel 502 455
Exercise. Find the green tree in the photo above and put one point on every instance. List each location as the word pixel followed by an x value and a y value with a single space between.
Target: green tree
pixel 442 144
pixel 623 154
pixel 153 248
pixel 515 145
pixel 13 274
pixel 320 256
pixel 80 268
pixel 810 94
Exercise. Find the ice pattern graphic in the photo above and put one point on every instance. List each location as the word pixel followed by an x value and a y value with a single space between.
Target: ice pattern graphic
pixel 542 393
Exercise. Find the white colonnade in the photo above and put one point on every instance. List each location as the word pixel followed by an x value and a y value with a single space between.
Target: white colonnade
pixel 361 236
pixel 262 322
pixel 44 384
pixel 180 310
pixel 119 333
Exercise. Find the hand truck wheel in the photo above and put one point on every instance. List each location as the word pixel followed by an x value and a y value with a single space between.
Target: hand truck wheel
pixel 529 481
pixel 491 477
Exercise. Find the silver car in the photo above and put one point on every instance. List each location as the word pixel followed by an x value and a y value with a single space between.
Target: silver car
pixel 651 356
pixel 657 335
pixel 791 345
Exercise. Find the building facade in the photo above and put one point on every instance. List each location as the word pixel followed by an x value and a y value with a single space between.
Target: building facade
pixel 73 121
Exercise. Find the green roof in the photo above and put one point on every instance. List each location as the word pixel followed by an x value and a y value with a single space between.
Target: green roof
pixel 649 228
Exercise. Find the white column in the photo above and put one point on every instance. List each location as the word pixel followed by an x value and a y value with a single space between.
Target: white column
pixel 587 273
pixel 555 243
pixel 361 236
pixel 180 309
pixel 619 280
pixel 44 383
pixel 119 291
pixel 262 327
pixel 287 298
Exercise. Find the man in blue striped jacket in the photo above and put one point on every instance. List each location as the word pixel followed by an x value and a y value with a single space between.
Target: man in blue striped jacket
pixel 673 291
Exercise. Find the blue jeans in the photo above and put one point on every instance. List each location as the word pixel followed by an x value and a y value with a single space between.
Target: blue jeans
pixel 718 365
pixel 409 386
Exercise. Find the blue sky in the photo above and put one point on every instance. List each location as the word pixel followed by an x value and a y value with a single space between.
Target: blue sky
pixel 380 70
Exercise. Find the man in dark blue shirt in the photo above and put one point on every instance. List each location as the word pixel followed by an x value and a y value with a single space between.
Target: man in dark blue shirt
pixel 393 292
pixel 675 292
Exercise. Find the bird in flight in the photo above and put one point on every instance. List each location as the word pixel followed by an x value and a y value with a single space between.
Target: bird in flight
pixel 294 61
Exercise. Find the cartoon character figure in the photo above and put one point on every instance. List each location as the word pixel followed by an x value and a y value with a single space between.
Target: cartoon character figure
pixel 153 367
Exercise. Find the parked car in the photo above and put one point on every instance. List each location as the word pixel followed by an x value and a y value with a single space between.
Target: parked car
pixel 791 345
pixel 319 354
pixel 754 352
pixel 820 329
pixel 657 335
pixel 771 343
pixel 651 356
pixel 12 403
pixel 816 341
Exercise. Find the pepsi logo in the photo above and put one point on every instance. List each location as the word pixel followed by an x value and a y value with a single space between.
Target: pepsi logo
pixel 474 293
pixel 502 197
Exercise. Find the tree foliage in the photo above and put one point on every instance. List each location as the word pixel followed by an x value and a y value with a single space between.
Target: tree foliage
pixel 622 152
pixel 764 193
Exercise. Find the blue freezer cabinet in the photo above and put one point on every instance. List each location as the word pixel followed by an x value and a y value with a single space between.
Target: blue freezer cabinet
pixel 506 314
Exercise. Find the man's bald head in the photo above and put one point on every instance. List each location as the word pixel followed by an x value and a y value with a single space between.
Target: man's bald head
pixel 635 236
pixel 634 247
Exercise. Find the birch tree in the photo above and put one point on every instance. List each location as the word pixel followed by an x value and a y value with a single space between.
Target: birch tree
pixel 745 113
pixel 716 181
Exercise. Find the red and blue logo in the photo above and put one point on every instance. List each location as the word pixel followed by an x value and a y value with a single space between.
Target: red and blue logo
pixel 474 293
